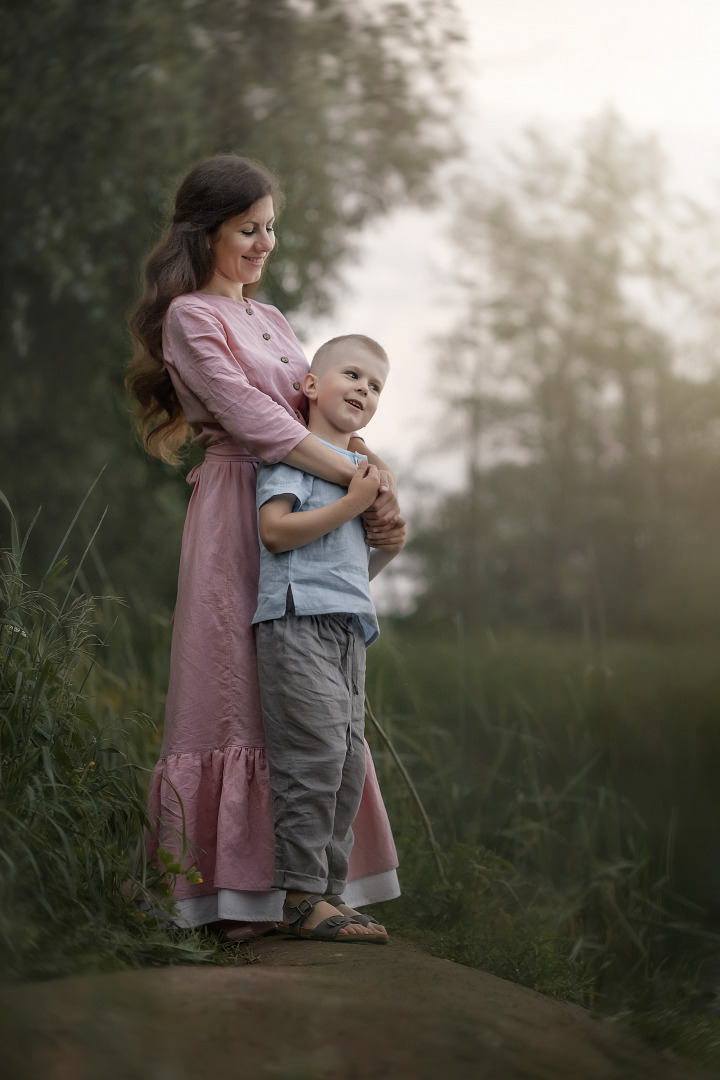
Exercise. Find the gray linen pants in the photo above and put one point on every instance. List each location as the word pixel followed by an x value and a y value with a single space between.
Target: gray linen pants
pixel 312 689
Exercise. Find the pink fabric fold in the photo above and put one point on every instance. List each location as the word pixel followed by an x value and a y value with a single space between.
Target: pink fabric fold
pixel 213 810
pixel 220 801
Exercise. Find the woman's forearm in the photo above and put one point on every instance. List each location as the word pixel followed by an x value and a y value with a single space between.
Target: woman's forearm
pixel 360 447
pixel 312 456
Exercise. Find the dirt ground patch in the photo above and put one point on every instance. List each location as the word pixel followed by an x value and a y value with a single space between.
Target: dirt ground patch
pixel 310 1011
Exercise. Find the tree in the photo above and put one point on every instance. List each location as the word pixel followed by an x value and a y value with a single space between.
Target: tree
pixel 104 107
pixel 588 452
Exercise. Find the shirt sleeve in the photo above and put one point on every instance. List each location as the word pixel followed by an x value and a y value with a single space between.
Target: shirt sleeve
pixel 283 480
pixel 196 345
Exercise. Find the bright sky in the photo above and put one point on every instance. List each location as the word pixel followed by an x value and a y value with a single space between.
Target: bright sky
pixel 555 62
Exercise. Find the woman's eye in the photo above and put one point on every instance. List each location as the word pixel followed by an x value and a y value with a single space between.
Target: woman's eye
pixel 247 233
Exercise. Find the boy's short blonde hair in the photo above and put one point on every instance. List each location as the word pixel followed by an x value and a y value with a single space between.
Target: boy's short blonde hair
pixel 328 351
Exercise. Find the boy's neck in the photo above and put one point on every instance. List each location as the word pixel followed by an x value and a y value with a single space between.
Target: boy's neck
pixel 323 429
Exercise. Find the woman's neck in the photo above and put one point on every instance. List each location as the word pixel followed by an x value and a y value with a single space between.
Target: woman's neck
pixel 221 285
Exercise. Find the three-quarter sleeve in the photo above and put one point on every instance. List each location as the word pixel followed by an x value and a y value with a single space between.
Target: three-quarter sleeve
pixel 196 345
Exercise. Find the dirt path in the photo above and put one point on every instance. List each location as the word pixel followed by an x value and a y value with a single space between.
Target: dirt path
pixel 307 1011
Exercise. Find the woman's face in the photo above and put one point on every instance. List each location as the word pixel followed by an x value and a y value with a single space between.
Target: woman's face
pixel 242 243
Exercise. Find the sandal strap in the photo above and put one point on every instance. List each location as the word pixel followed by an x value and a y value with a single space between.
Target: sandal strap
pixel 333 920
pixel 298 913
pixel 359 917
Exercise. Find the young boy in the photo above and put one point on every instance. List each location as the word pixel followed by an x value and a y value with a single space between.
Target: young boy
pixel 313 621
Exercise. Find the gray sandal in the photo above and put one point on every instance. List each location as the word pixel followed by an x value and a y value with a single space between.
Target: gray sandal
pixel 327 930
pixel 358 917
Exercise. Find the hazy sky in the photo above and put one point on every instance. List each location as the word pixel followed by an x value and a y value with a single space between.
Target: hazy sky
pixel 556 62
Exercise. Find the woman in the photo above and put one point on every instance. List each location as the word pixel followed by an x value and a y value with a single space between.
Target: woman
pixel 209 359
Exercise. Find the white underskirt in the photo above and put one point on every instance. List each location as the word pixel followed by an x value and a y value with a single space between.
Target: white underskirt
pixel 266 907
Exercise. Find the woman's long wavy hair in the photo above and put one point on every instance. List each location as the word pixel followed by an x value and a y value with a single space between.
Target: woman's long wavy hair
pixel 213 191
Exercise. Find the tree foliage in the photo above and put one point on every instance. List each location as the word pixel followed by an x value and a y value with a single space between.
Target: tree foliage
pixel 591 455
pixel 104 107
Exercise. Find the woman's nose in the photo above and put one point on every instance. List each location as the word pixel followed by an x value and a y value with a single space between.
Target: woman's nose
pixel 266 242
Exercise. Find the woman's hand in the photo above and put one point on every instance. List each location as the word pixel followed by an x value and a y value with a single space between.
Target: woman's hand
pixel 384 514
pixel 392 540
pixel 385 546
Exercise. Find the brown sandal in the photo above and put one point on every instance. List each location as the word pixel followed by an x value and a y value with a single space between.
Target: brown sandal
pixel 327 930
pixel 358 917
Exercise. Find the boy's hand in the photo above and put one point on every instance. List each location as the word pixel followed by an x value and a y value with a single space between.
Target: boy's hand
pixel 363 487
pixel 385 511
pixel 391 541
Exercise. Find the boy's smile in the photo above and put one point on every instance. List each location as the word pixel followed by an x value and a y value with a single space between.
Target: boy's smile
pixel 344 393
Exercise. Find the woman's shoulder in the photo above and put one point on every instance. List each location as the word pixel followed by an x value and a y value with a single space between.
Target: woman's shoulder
pixel 222 307
pixel 195 301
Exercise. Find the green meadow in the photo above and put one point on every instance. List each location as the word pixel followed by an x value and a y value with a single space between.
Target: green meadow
pixel 551 797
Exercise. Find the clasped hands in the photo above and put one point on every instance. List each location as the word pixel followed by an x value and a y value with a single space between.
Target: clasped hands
pixel 384 524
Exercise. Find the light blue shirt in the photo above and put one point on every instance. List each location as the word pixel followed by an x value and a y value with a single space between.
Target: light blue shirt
pixel 326 576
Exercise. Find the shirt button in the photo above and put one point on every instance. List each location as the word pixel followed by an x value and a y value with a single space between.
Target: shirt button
pixel 249 311
pixel 296 385
pixel 285 359
pixel 266 336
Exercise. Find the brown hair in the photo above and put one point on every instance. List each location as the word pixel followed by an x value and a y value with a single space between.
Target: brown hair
pixel 358 341
pixel 213 191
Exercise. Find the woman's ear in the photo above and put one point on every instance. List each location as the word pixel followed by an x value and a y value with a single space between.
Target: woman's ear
pixel 309 386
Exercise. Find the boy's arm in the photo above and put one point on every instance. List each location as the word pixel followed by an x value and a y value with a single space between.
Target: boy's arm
pixel 283 530
pixel 388 546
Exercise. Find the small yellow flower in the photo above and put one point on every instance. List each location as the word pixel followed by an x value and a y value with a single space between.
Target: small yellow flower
pixel 143 915
pixel 92 762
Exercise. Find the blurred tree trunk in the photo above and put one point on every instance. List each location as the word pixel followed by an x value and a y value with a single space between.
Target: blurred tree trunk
pixel 593 444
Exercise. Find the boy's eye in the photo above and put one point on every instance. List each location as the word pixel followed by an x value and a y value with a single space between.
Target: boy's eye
pixel 351 374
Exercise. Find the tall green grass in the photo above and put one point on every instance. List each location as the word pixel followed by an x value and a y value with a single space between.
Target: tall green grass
pixel 559 782
pixel 72 804
pixel 557 777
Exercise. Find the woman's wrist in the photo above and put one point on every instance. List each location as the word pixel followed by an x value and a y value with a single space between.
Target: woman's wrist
pixel 312 456
pixel 364 449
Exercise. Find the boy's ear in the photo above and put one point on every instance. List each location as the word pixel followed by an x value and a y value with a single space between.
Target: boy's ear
pixel 309 386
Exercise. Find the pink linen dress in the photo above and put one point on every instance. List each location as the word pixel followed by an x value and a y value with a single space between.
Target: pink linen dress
pixel 237 368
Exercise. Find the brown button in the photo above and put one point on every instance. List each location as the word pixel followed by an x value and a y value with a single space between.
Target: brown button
pixel 249 311
pixel 296 385
pixel 285 359
pixel 266 336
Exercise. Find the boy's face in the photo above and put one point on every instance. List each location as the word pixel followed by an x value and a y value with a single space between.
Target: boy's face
pixel 346 390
